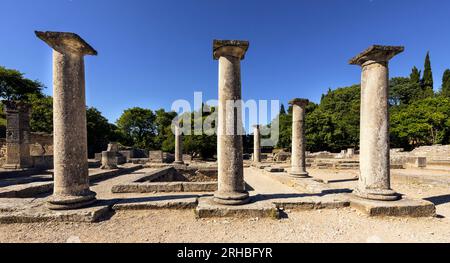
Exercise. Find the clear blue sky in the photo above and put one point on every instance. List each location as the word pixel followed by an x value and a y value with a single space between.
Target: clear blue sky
pixel 154 52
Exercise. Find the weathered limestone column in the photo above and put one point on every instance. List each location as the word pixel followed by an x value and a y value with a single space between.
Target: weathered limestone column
pixel 109 160
pixel 257 144
pixel 298 138
pixel 229 148
pixel 17 135
pixel 374 180
pixel 178 145
pixel 350 153
pixel 71 177
pixel 109 157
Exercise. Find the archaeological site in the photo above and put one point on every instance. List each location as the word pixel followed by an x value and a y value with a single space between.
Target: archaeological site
pixel 369 163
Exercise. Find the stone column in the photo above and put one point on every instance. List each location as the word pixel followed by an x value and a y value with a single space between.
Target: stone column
pixel 109 160
pixel 350 153
pixel 298 138
pixel 230 148
pixel 257 144
pixel 374 180
pixel 71 175
pixel 178 145
pixel 17 135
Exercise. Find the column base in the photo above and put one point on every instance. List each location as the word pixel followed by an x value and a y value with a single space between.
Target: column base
pixel 68 202
pixel 232 198
pixel 178 162
pixel 109 167
pixel 378 194
pixel 299 174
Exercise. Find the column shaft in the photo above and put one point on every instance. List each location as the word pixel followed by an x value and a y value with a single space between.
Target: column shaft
pixel 71 174
pixel 257 144
pixel 298 158
pixel 374 180
pixel 178 146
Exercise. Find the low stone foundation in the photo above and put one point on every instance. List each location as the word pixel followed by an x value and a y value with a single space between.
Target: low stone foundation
pixel 171 179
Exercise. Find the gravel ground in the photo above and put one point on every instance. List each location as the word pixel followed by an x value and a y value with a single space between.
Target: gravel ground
pixel 343 225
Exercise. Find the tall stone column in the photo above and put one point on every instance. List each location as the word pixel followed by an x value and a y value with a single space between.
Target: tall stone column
pixel 17 135
pixel 178 145
pixel 230 148
pixel 298 138
pixel 257 144
pixel 71 175
pixel 374 180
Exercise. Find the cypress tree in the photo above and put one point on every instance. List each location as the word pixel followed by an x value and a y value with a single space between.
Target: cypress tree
pixel 427 80
pixel 446 84
pixel 282 110
pixel 415 75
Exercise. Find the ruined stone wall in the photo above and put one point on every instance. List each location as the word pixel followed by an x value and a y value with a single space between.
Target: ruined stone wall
pixel 41 144
pixel 433 153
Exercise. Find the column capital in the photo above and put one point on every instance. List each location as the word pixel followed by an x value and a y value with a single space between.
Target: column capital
pixel 257 126
pixel 65 42
pixel 299 102
pixel 234 48
pixel 376 53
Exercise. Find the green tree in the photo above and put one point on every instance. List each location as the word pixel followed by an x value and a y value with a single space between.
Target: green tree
pixel 445 91
pixel 415 75
pixel 41 113
pixel 138 125
pixel 14 86
pixel 203 146
pixel 164 138
pixel 403 91
pixel 427 80
pixel 98 131
pixel 424 122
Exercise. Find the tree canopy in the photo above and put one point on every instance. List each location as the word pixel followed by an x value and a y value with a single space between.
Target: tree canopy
pixel 14 86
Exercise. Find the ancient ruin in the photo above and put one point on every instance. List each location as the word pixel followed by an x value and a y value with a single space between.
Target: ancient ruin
pixel 231 191
pixel 257 144
pixel 178 145
pixel 71 186
pixel 17 135
pixel 375 179
pixel 298 168
pixel 271 185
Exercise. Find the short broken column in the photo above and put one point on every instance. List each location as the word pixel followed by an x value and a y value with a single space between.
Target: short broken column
pixel 298 158
pixel 109 157
pixel 230 144
pixel 17 135
pixel 257 144
pixel 374 180
pixel 71 175
pixel 350 153
pixel 178 145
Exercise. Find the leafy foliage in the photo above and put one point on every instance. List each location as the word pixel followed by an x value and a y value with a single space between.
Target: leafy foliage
pixel 137 124
pixel 14 86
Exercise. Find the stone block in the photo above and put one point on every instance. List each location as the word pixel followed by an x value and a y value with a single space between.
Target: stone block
pixel 207 208
pixel 404 207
